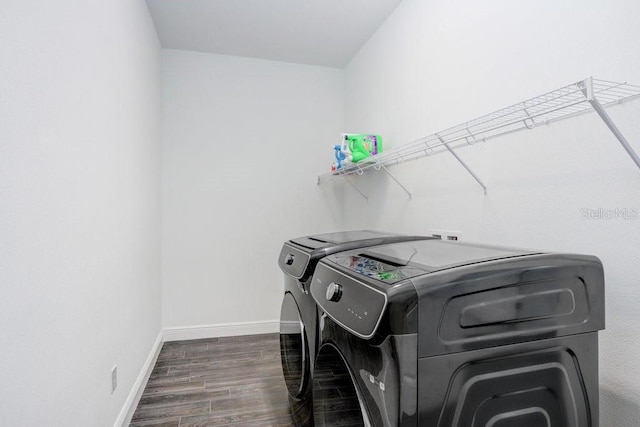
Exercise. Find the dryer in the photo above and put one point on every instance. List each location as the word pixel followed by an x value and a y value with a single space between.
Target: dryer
pixel 298 318
pixel 451 334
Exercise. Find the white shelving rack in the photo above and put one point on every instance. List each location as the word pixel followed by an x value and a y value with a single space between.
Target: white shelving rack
pixel 568 101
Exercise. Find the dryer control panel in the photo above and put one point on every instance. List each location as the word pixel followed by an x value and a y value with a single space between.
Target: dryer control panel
pixel 293 261
pixel 355 305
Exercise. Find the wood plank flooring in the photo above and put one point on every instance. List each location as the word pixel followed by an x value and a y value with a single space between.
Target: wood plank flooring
pixel 230 381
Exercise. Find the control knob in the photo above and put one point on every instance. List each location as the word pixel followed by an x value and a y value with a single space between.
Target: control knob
pixel 334 292
pixel 289 259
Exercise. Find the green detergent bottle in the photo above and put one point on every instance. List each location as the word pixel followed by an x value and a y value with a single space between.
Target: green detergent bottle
pixel 362 146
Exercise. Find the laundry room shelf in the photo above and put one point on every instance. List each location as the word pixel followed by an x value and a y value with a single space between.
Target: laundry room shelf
pixel 568 101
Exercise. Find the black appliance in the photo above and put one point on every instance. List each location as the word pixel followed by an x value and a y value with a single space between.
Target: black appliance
pixel 450 334
pixel 298 318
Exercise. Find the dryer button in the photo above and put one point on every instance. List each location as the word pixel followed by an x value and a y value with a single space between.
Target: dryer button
pixel 334 292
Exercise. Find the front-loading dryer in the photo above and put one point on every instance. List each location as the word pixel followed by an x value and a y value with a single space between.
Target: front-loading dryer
pixel 298 317
pixel 452 334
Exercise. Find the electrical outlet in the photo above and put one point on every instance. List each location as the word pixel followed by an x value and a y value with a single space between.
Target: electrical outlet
pixel 453 235
pixel 446 234
pixel 114 378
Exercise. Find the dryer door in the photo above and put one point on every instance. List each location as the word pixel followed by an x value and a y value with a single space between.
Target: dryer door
pixel 336 398
pixel 294 348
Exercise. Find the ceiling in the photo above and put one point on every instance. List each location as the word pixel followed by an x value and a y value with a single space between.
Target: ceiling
pixel 316 32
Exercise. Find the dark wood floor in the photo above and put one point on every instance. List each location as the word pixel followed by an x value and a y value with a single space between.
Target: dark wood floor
pixel 231 381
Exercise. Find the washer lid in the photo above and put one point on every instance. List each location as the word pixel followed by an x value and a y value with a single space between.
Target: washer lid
pixel 298 257
pixel 435 255
pixel 395 262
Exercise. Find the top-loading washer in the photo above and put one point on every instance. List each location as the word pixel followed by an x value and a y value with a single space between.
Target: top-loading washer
pixel 298 319
pixel 451 334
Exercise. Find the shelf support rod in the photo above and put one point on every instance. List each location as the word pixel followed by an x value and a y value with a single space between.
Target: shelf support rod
pixel 384 168
pixel 464 165
pixel 356 188
pixel 587 89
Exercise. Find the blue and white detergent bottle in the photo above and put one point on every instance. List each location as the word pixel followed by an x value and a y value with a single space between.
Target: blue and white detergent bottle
pixel 340 157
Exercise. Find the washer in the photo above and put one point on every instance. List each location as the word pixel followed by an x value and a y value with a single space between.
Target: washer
pixel 298 318
pixel 450 334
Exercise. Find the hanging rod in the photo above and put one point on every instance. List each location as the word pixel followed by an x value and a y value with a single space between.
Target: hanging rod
pixel 568 101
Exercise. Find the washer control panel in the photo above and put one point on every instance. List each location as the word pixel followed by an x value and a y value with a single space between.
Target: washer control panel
pixel 355 305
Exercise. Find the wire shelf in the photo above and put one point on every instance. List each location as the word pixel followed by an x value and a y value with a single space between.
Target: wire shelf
pixel 568 101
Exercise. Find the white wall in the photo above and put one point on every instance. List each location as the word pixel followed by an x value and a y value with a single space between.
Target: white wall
pixel 243 141
pixel 79 207
pixel 435 64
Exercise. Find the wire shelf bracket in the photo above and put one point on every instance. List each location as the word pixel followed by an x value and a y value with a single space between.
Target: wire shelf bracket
pixel 355 187
pixel 384 168
pixel 587 90
pixel 464 165
pixel 568 101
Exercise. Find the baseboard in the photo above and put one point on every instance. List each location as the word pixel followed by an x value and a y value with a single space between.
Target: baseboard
pixel 221 330
pixel 129 407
